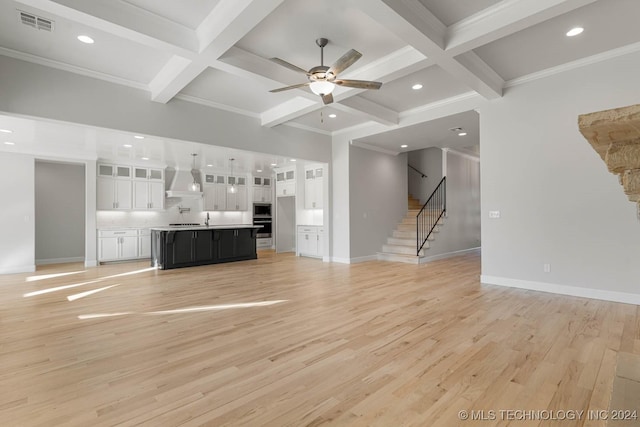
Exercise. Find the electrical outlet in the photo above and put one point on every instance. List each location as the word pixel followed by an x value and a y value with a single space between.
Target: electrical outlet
pixel 494 214
pixel 547 268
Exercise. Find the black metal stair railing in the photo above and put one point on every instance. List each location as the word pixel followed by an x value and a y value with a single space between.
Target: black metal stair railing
pixel 430 214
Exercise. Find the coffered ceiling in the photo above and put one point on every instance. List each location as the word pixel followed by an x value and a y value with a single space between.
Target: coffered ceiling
pixel 216 53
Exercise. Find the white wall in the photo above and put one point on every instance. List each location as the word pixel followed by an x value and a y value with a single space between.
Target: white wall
pixel 17 223
pixel 339 209
pixel 429 162
pixel 59 212
pixel 34 90
pixel 559 205
pixel 378 199
pixel 461 229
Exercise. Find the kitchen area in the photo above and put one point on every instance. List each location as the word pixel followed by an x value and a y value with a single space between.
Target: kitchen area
pixel 208 212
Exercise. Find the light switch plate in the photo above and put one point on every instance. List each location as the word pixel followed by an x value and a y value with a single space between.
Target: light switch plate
pixel 494 214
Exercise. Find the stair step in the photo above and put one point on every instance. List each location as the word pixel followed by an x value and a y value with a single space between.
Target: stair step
pixel 408 259
pixel 412 227
pixel 410 234
pixel 413 220
pixel 405 241
pixel 398 249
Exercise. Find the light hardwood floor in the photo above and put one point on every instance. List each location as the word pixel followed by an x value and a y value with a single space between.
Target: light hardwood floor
pixel 371 344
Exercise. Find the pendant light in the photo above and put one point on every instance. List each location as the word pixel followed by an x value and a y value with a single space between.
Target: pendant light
pixel 194 185
pixel 233 188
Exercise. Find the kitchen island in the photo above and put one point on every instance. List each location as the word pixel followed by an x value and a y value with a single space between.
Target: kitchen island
pixel 175 247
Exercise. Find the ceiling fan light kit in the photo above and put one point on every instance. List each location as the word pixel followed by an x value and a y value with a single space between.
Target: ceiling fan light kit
pixel 323 79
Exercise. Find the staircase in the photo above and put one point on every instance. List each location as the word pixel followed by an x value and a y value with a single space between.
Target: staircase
pixel 401 246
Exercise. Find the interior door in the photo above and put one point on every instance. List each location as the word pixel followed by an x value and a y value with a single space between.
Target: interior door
pixel 285 224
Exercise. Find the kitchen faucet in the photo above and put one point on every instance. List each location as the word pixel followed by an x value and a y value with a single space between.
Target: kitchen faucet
pixel 207 221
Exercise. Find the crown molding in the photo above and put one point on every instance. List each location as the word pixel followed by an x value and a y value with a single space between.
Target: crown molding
pixel 212 104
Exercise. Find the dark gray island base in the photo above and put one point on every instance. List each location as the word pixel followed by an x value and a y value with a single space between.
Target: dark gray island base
pixel 173 247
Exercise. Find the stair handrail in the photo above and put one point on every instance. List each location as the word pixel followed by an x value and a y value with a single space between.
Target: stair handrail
pixel 428 219
pixel 424 175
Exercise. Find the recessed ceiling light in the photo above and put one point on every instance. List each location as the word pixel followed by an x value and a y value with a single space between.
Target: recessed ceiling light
pixel 209 166
pixel 6 131
pixel 138 136
pixel 274 164
pixel 127 145
pixel 145 158
pixel 575 31
pixel 462 134
pixel 333 116
pixel 404 146
pixel 416 86
pixel 293 160
pixel 259 170
pixel 9 143
pixel 85 39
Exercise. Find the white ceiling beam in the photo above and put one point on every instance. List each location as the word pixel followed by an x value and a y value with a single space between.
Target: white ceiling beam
pixel 503 19
pixel 288 111
pixel 393 66
pixel 123 20
pixel 226 24
pixel 176 74
pixel 414 24
pixel 369 110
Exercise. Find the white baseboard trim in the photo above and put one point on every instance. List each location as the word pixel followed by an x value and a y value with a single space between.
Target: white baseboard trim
pixel 341 260
pixel 450 254
pixel 360 259
pixel 18 269
pixel 58 260
pixel 553 288
pixel 91 263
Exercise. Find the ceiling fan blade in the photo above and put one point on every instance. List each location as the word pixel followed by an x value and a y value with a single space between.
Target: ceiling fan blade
pixel 360 84
pixel 289 65
pixel 344 62
pixel 290 87
pixel 327 99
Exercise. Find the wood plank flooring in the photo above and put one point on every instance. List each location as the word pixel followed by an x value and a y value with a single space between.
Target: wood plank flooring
pixel 286 341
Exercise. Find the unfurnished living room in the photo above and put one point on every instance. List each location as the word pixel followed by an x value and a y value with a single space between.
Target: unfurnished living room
pixel 303 213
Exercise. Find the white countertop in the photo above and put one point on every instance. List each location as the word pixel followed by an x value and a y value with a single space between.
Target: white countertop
pixel 204 227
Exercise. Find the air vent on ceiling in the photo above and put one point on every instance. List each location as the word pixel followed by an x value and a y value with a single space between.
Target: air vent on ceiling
pixel 36 21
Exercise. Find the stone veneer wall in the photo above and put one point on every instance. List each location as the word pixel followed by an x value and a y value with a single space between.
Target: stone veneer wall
pixel 615 135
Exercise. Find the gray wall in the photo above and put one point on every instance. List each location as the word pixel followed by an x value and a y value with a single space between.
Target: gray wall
pixel 429 162
pixel 59 212
pixel 17 213
pixel 378 199
pixel 559 205
pixel 461 229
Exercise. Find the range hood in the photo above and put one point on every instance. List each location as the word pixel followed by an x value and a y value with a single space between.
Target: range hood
pixel 179 183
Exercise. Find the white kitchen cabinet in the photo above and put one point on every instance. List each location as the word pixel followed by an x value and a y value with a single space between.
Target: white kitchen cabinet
pixel 262 190
pixel 310 240
pixel 114 171
pixel 313 187
pixel 113 194
pixel 238 200
pixel 286 183
pixel 152 174
pixel 215 192
pixel 144 243
pixel 117 245
pixel 148 195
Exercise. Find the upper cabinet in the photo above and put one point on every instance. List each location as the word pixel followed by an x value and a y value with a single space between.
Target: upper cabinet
pixel 313 187
pixel 121 187
pixel 225 192
pixel 262 190
pixel 286 182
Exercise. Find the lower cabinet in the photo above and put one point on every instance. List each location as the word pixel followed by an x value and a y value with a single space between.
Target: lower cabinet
pixel 185 248
pixel 190 247
pixel 117 245
pixel 310 240
pixel 236 243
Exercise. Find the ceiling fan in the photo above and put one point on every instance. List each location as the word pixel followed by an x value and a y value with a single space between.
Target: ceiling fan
pixel 323 79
